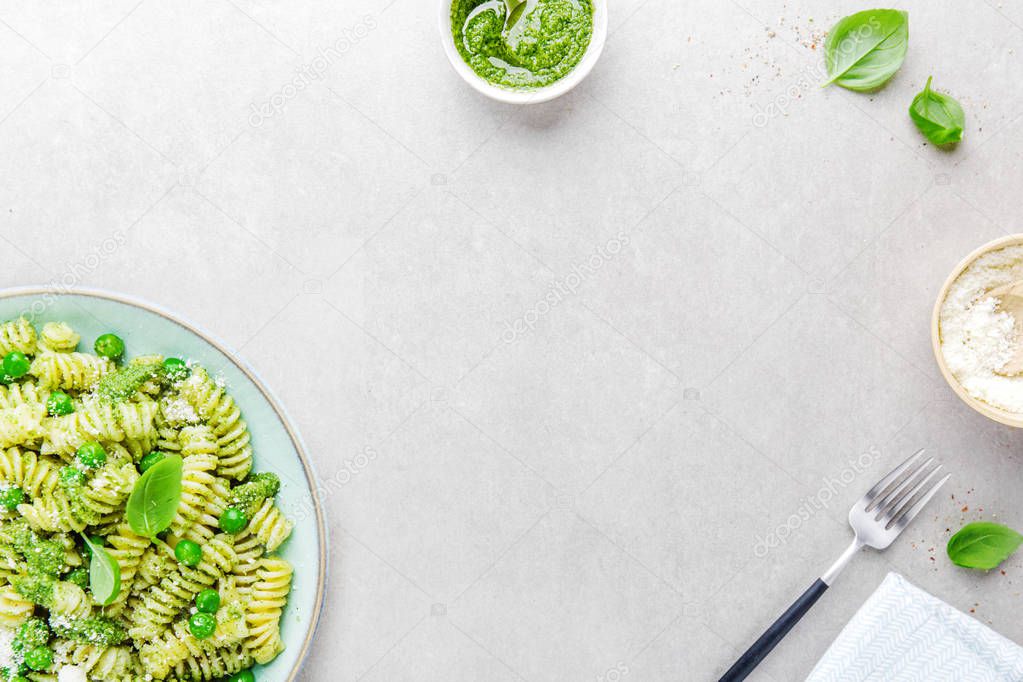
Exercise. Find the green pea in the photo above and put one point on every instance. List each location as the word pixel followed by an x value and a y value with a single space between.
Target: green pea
pixel 59 403
pixel 109 346
pixel 79 576
pixel 243 676
pixel 202 625
pixel 189 553
pixel 11 498
pixel 207 601
pixel 16 364
pixel 175 368
pixel 39 658
pixel 71 476
pixel 150 459
pixel 233 520
pixel 92 454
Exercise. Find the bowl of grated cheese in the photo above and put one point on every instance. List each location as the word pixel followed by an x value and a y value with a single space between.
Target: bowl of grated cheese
pixel 975 339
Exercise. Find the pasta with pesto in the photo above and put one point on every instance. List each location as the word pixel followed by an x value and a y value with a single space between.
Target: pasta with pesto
pixel 82 586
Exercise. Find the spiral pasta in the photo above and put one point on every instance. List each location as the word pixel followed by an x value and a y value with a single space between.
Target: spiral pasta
pixel 269 526
pixel 72 554
pixel 76 433
pixel 17 335
pixel 58 337
pixel 17 394
pixel 205 525
pixel 14 608
pixel 100 420
pixel 232 627
pixel 126 548
pixel 178 651
pixel 167 650
pixel 115 663
pixel 213 664
pixel 69 601
pixel 264 609
pixel 35 474
pixel 11 565
pixel 52 513
pixel 69 371
pixel 156 563
pixel 198 440
pixel 101 499
pixel 21 425
pixel 249 550
pixel 197 483
pixel 212 403
pixel 156 608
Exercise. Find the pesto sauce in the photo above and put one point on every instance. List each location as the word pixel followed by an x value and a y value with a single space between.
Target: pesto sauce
pixel 542 46
pixel 43 557
pixel 126 381
pixel 97 630
pixel 249 496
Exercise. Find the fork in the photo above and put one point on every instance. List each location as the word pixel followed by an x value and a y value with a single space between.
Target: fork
pixel 877 519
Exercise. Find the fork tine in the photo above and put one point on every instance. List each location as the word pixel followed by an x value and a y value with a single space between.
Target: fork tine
pixel 884 482
pixel 897 476
pixel 898 503
pixel 911 508
pixel 906 487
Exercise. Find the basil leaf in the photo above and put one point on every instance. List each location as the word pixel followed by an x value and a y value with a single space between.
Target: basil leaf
pixel 104 574
pixel 939 117
pixel 516 8
pixel 154 500
pixel 983 545
pixel 864 50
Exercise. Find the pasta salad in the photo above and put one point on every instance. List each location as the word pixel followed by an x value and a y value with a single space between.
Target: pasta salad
pixel 136 542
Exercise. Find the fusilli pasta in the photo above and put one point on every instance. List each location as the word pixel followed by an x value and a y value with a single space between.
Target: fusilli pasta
pixel 77 433
pixel 17 335
pixel 58 337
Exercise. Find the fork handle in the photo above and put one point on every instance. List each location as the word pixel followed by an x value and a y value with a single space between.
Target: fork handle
pixel 774 634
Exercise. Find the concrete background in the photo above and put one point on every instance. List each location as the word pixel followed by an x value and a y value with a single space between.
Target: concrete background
pixel 720 274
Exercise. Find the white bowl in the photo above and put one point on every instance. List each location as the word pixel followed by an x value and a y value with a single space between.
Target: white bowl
pixel 527 96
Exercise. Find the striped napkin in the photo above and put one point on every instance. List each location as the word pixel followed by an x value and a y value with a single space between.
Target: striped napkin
pixel 903 634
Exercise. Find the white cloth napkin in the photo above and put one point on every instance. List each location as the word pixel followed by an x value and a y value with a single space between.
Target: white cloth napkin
pixel 903 634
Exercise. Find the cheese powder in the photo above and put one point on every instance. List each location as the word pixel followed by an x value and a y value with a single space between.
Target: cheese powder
pixel 977 340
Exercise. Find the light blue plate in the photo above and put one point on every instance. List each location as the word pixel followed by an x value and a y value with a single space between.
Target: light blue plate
pixel 147 329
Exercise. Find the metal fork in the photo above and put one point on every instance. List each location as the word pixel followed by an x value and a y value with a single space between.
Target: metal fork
pixel 877 519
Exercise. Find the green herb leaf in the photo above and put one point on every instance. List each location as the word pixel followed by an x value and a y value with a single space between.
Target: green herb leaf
pixel 983 545
pixel 104 574
pixel 154 500
pixel 864 50
pixel 516 8
pixel 939 117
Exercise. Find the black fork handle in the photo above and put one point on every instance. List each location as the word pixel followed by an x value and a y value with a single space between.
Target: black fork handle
pixel 774 634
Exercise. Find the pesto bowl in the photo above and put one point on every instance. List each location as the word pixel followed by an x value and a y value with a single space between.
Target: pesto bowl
pixel 526 95
pixel 277 447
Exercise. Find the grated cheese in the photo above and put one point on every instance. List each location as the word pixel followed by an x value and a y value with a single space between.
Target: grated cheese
pixel 72 673
pixel 6 649
pixel 977 340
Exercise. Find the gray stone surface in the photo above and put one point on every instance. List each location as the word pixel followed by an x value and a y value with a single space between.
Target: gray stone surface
pixel 742 267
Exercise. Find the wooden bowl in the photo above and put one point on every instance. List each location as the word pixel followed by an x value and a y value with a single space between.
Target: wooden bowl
pixel 986 409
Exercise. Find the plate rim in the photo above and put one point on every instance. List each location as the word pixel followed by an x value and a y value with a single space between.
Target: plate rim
pixel 268 394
